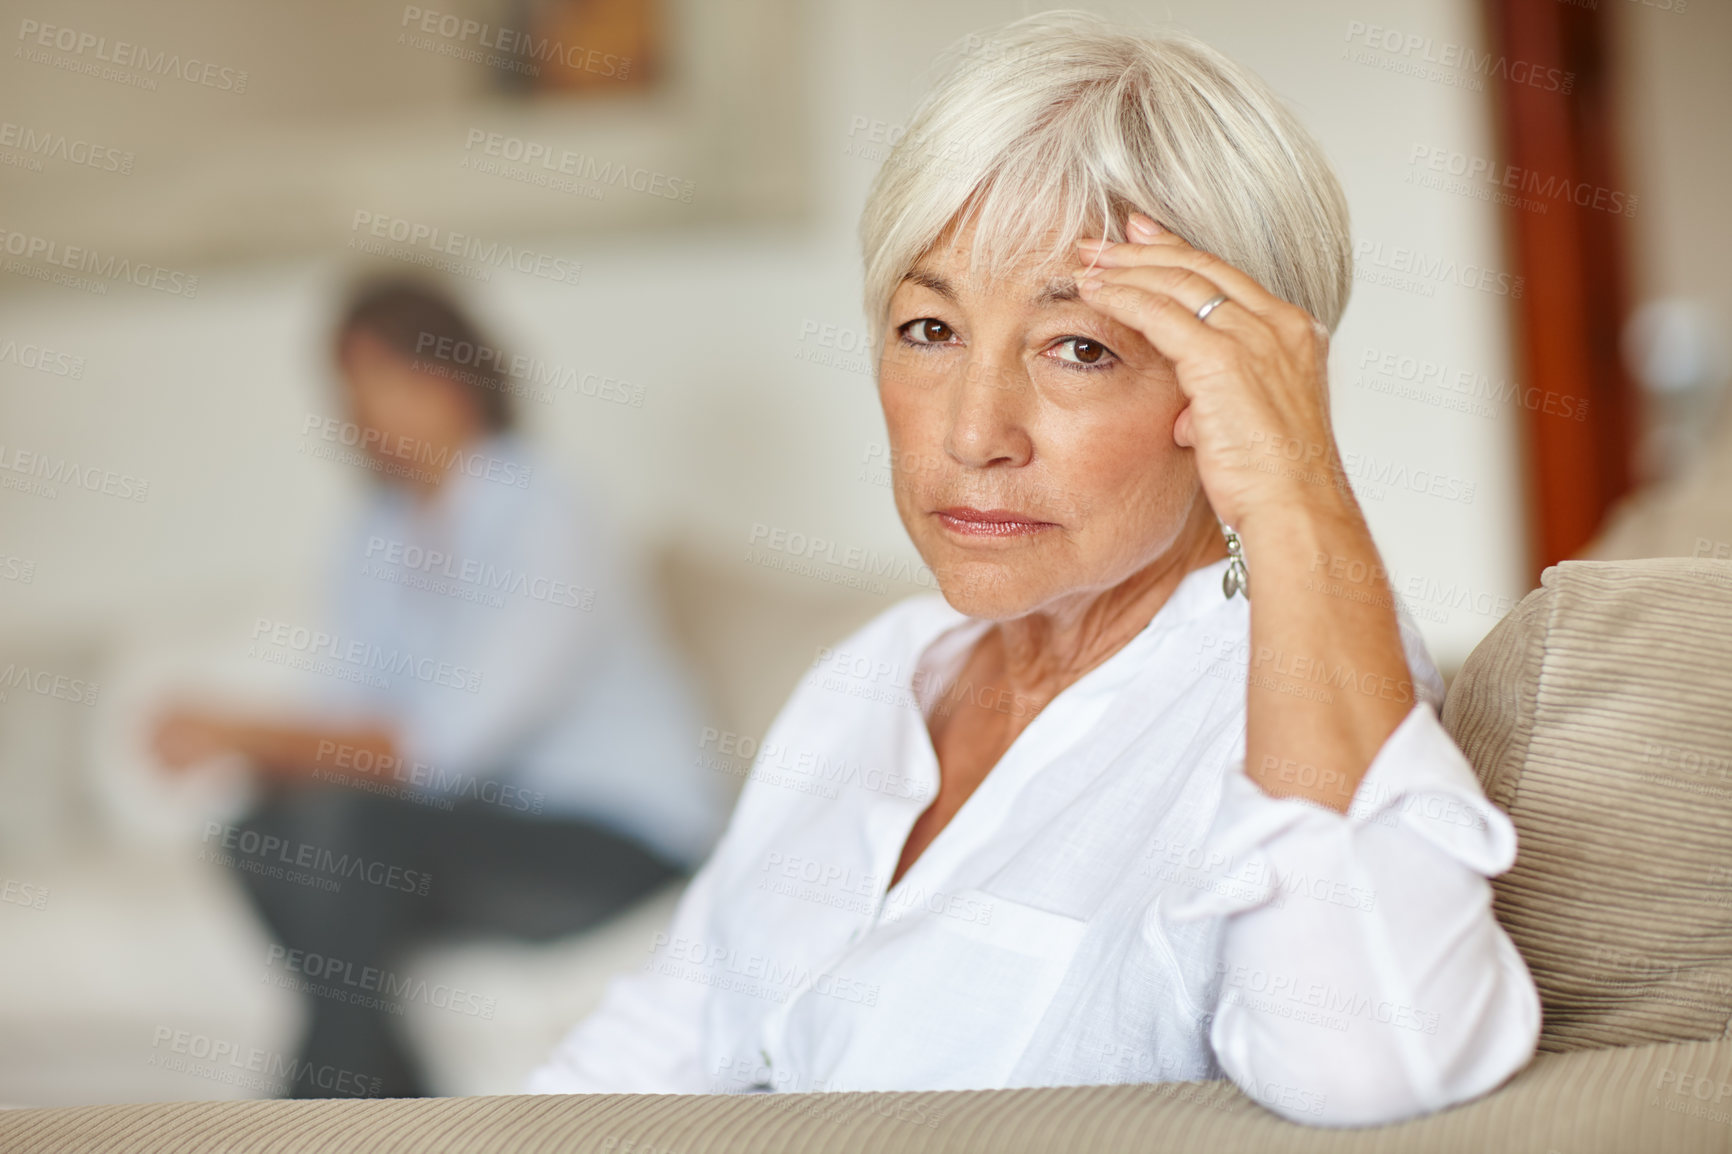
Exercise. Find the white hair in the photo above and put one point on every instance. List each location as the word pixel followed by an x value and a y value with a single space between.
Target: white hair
pixel 1063 123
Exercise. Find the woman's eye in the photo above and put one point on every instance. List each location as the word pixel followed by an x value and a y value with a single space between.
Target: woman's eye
pixel 927 331
pixel 1081 351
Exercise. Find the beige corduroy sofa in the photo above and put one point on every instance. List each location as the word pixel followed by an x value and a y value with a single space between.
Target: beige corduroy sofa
pixel 1598 714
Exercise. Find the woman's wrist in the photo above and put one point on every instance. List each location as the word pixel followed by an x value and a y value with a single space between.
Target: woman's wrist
pixel 1328 678
pixel 1303 521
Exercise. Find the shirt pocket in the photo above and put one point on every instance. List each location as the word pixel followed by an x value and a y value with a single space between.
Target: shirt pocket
pixel 960 994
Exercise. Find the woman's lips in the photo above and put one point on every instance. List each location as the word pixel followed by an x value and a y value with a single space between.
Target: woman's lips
pixel 971 522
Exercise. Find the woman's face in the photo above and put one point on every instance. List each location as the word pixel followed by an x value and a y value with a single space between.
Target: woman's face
pixel 414 416
pixel 1031 438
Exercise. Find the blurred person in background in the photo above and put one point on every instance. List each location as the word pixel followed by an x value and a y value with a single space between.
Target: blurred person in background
pixel 514 755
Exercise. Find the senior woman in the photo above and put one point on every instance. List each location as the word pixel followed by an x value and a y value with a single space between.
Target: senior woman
pixel 1140 797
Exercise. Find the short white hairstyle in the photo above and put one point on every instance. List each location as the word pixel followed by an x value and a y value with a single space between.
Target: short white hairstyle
pixel 1063 123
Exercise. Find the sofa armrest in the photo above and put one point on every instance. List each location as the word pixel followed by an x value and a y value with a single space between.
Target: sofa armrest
pixel 1674 1097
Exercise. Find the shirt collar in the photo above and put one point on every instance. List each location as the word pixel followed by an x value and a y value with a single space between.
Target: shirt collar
pixel 1197 593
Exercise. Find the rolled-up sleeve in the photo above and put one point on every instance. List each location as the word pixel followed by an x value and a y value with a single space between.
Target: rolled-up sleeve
pixel 1363 977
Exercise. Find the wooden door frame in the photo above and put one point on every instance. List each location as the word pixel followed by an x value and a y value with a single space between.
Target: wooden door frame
pixel 1557 135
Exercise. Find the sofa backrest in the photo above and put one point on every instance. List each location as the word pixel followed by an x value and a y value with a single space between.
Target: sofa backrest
pixel 1598 714
pixel 749 632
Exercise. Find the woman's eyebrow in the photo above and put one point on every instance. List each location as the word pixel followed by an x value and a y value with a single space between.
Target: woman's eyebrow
pixel 931 280
pixel 1058 289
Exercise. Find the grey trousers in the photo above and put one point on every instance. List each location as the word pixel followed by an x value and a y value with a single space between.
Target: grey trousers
pixel 348 883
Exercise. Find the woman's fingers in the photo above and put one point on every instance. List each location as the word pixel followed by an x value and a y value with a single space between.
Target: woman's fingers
pixel 1184 434
pixel 1187 287
pixel 1168 249
pixel 1236 284
pixel 1189 291
pixel 1165 321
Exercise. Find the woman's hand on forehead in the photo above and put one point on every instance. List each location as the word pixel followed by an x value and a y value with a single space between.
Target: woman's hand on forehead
pixel 1254 370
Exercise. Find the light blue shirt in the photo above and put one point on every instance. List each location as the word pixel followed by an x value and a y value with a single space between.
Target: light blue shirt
pixel 521 667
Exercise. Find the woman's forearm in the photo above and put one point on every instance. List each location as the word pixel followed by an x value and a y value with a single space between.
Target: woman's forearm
pixel 1327 678
pixel 295 751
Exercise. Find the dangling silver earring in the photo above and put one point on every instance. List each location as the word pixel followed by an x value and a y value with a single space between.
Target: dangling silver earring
pixel 1235 580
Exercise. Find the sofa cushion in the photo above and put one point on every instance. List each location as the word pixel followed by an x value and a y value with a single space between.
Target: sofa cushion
pixel 1598 714
pixel 1667 1097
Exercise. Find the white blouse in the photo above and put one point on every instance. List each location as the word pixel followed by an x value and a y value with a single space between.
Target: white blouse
pixel 1116 902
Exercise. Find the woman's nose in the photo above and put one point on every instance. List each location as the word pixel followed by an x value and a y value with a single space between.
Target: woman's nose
pixel 988 419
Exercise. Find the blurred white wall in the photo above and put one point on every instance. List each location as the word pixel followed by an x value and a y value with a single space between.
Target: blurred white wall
pixel 1672 113
pixel 723 328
